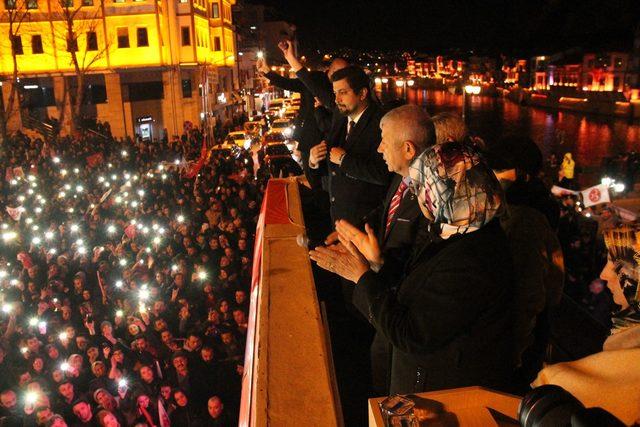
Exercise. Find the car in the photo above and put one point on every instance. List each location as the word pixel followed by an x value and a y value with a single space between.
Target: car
pixel 276 103
pixel 277 158
pixel 273 137
pixel 291 113
pixel 284 126
pixel 283 167
pixel 253 128
pixel 239 138
pixel 226 150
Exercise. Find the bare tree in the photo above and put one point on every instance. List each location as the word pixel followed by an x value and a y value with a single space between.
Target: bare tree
pixel 16 12
pixel 80 22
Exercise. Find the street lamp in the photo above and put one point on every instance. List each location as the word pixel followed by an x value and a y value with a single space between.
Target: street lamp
pixel 468 90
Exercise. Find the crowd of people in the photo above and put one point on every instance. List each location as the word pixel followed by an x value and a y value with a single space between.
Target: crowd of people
pixel 124 277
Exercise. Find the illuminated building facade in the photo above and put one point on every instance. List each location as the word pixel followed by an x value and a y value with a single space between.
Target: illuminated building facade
pixel 605 72
pixel 147 65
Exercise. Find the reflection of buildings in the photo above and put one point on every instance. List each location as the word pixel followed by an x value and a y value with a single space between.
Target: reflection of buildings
pixel 150 65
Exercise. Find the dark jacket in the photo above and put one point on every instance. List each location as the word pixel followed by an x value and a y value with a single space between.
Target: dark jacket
pixel 405 225
pixel 538 266
pixel 307 132
pixel 360 183
pixel 450 322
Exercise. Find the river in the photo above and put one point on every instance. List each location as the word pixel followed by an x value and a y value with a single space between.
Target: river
pixel 589 137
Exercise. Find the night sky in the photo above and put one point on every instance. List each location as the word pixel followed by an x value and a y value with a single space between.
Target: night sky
pixel 490 26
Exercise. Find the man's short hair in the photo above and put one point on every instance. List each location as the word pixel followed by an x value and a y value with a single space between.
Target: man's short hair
pixel 412 123
pixel 357 79
pixel 449 127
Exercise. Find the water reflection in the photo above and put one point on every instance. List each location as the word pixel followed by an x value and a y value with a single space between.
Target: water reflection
pixel 589 138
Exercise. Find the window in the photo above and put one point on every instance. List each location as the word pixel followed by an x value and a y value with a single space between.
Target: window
pixel 143 37
pixel 186 88
pixel 32 4
pixel 216 44
pixel 16 44
pixel 186 36
pixel 72 45
pixel 10 4
pixel 36 44
pixel 618 63
pixel 215 10
pixel 145 91
pixel 92 40
pixel 87 2
pixel 118 1
pixel 616 83
pixel 182 1
pixel 123 37
pixel 67 3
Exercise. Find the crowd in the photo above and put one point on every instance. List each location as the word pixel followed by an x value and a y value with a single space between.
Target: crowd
pixel 124 276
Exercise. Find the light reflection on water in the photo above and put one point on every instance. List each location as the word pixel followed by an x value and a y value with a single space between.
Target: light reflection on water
pixel 589 137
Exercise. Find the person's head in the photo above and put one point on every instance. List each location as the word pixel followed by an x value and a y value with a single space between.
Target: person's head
pixel 180 397
pixel 455 188
pixel 351 88
pixel 43 415
pixel 179 362
pixel 107 419
pixel 98 369
pixel 239 317
pixel 597 286
pixel 106 328
pixel 449 127
pixel 56 421
pixel 143 401
pixel 146 374
pixel 207 353
pixel 66 390
pixel 193 341
pixel 513 158
pixel 406 132
pixel 166 336
pixel 165 391
pixel 83 411
pixel 8 399
pixel 215 407
pixel 335 65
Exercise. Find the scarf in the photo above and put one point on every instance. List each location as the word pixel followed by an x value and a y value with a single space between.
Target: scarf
pixel 455 188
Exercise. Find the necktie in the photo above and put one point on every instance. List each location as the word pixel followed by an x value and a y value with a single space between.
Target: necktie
pixel 350 127
pixel 393 206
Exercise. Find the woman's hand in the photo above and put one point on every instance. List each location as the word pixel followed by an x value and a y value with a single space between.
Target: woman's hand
pixel 345 261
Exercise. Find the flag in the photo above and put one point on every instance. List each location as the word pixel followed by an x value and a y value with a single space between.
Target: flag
pixel 561 192
pixel 625 214
pixel 162 415
pixel 130 231
pixel 194 169
pixel 94 160
pixel 595 195
pixel 15 213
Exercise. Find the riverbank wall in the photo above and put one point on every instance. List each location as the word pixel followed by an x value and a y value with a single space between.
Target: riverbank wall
pixel 604 103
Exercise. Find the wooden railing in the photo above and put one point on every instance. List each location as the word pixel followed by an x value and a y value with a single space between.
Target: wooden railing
pixel 288 378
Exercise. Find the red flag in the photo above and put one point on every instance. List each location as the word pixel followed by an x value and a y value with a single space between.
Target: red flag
pixel 94 160
pixel 195 167
pixel 130 231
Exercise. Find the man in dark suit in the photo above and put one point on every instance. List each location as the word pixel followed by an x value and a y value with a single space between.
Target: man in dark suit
pixel 357 177
pixel 307 132
pixel 406 132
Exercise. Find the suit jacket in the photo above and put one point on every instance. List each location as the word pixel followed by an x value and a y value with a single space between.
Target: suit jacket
pixel 450 322
pixel 406 224
pixel 360 183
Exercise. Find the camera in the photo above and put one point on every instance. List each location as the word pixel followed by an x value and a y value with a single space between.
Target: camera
pixel 552 406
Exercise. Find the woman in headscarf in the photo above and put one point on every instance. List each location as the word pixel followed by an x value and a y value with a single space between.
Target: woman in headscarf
pixel 449 320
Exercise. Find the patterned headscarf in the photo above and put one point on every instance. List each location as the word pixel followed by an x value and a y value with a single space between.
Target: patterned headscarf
pixel 455 188
pixel 623 245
